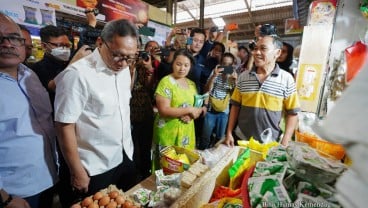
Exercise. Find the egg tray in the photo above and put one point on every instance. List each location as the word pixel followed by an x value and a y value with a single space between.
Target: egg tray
pixel 110 197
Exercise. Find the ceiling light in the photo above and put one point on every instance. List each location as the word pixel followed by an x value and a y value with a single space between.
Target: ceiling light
pixel 219 22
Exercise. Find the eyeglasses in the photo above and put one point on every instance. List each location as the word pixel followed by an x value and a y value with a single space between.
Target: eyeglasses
pixel 60 45
pixel 119 57
pixel 13 40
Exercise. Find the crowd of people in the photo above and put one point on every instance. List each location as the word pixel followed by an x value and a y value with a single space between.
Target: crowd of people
pixel 73 123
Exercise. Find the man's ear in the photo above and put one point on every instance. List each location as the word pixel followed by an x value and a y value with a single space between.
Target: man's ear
pixel 43 45
pixel 278 53
pixel 99 42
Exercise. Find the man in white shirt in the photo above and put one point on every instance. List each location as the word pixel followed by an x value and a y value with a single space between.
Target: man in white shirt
pixel 93 116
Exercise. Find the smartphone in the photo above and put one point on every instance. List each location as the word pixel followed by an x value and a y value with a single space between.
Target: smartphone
pixel 147 31
pixel 189 41
pixel 227 69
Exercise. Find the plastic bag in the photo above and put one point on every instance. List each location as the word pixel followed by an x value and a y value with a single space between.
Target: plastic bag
pixel 237 170
pixel 355 59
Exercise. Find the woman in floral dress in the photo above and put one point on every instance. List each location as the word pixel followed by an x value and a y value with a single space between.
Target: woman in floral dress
pixel 174 122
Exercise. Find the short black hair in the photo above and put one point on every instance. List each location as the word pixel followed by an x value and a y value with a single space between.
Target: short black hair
pixel 51 31
pixel 148 42
pixel 197 30
pixel 186 53
pixel 243 48
pixel 215 43
pixel 228 54
pixel 119 27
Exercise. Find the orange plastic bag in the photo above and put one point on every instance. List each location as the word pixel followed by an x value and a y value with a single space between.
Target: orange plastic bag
pixel 355 59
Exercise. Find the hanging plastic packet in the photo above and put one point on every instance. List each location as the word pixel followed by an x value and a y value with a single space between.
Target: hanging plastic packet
pixel 266 136
pixel 364 8
pixel 47 16
pixel 199 100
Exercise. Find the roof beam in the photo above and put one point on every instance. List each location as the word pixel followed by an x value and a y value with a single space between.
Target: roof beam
pixel 185 8
pixel 249 12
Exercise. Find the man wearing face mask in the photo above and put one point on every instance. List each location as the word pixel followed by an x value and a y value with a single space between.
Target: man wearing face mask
pixel 56 44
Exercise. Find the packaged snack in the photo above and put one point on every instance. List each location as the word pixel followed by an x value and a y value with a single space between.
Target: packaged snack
pixel 310 166
pixel 47 16
pixel 256 146
pixel 364 9
pixel 238 168
pixel 210 157
pixel 142 196
pixel 267 191
pixel 172 162
pixel 226 202
pixel 157 197
pixel 30 15
pixel 167 180
pixel 230 202
pixel 317 190
pixel 199 99
pixel 267 168
pixel 322 12
pixel 276 154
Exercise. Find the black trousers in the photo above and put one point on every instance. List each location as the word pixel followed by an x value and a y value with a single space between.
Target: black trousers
pixel 43 199
pixel 142 137
pixel 124 176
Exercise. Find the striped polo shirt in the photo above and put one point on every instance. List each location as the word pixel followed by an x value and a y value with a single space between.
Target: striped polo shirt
pixel 262 104
pixel 222 85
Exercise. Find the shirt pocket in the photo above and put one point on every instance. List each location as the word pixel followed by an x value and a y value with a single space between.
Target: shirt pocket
pixel 103 104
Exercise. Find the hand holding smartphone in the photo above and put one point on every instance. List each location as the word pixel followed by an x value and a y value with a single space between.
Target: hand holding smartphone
pixel 227 69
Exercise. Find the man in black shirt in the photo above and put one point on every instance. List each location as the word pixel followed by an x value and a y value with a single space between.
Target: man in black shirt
pixel 56 45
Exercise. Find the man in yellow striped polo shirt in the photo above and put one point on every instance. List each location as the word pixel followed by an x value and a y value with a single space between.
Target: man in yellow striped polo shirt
pixel 262 96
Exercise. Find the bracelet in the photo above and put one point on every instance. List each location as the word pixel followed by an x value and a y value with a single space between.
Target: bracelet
pixel 6 203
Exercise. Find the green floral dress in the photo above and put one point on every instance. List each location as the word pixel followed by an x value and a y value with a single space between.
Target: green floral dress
pixel 172 131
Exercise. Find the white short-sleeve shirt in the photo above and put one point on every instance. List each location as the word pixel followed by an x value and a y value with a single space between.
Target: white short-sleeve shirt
pixel 96 99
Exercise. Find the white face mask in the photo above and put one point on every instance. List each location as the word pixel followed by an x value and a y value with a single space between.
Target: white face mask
pixel 61 53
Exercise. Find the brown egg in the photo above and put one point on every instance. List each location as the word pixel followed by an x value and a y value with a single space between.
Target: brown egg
pixel 98 195
pixel 93 205
pixel 87 201
pixel 76 206
pixel 127 204
pixel 112 204
pixel 104 201
pixel 120 200
pixel 113 194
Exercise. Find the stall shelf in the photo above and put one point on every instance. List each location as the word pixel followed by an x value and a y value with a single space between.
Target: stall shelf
pixel 201 190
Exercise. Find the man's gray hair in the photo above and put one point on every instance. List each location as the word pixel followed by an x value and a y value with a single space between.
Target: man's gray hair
pixel 5 17
pixel 277 41
pixel 120 27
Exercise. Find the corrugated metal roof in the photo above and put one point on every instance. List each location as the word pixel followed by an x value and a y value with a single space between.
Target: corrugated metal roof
pixel 262 11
